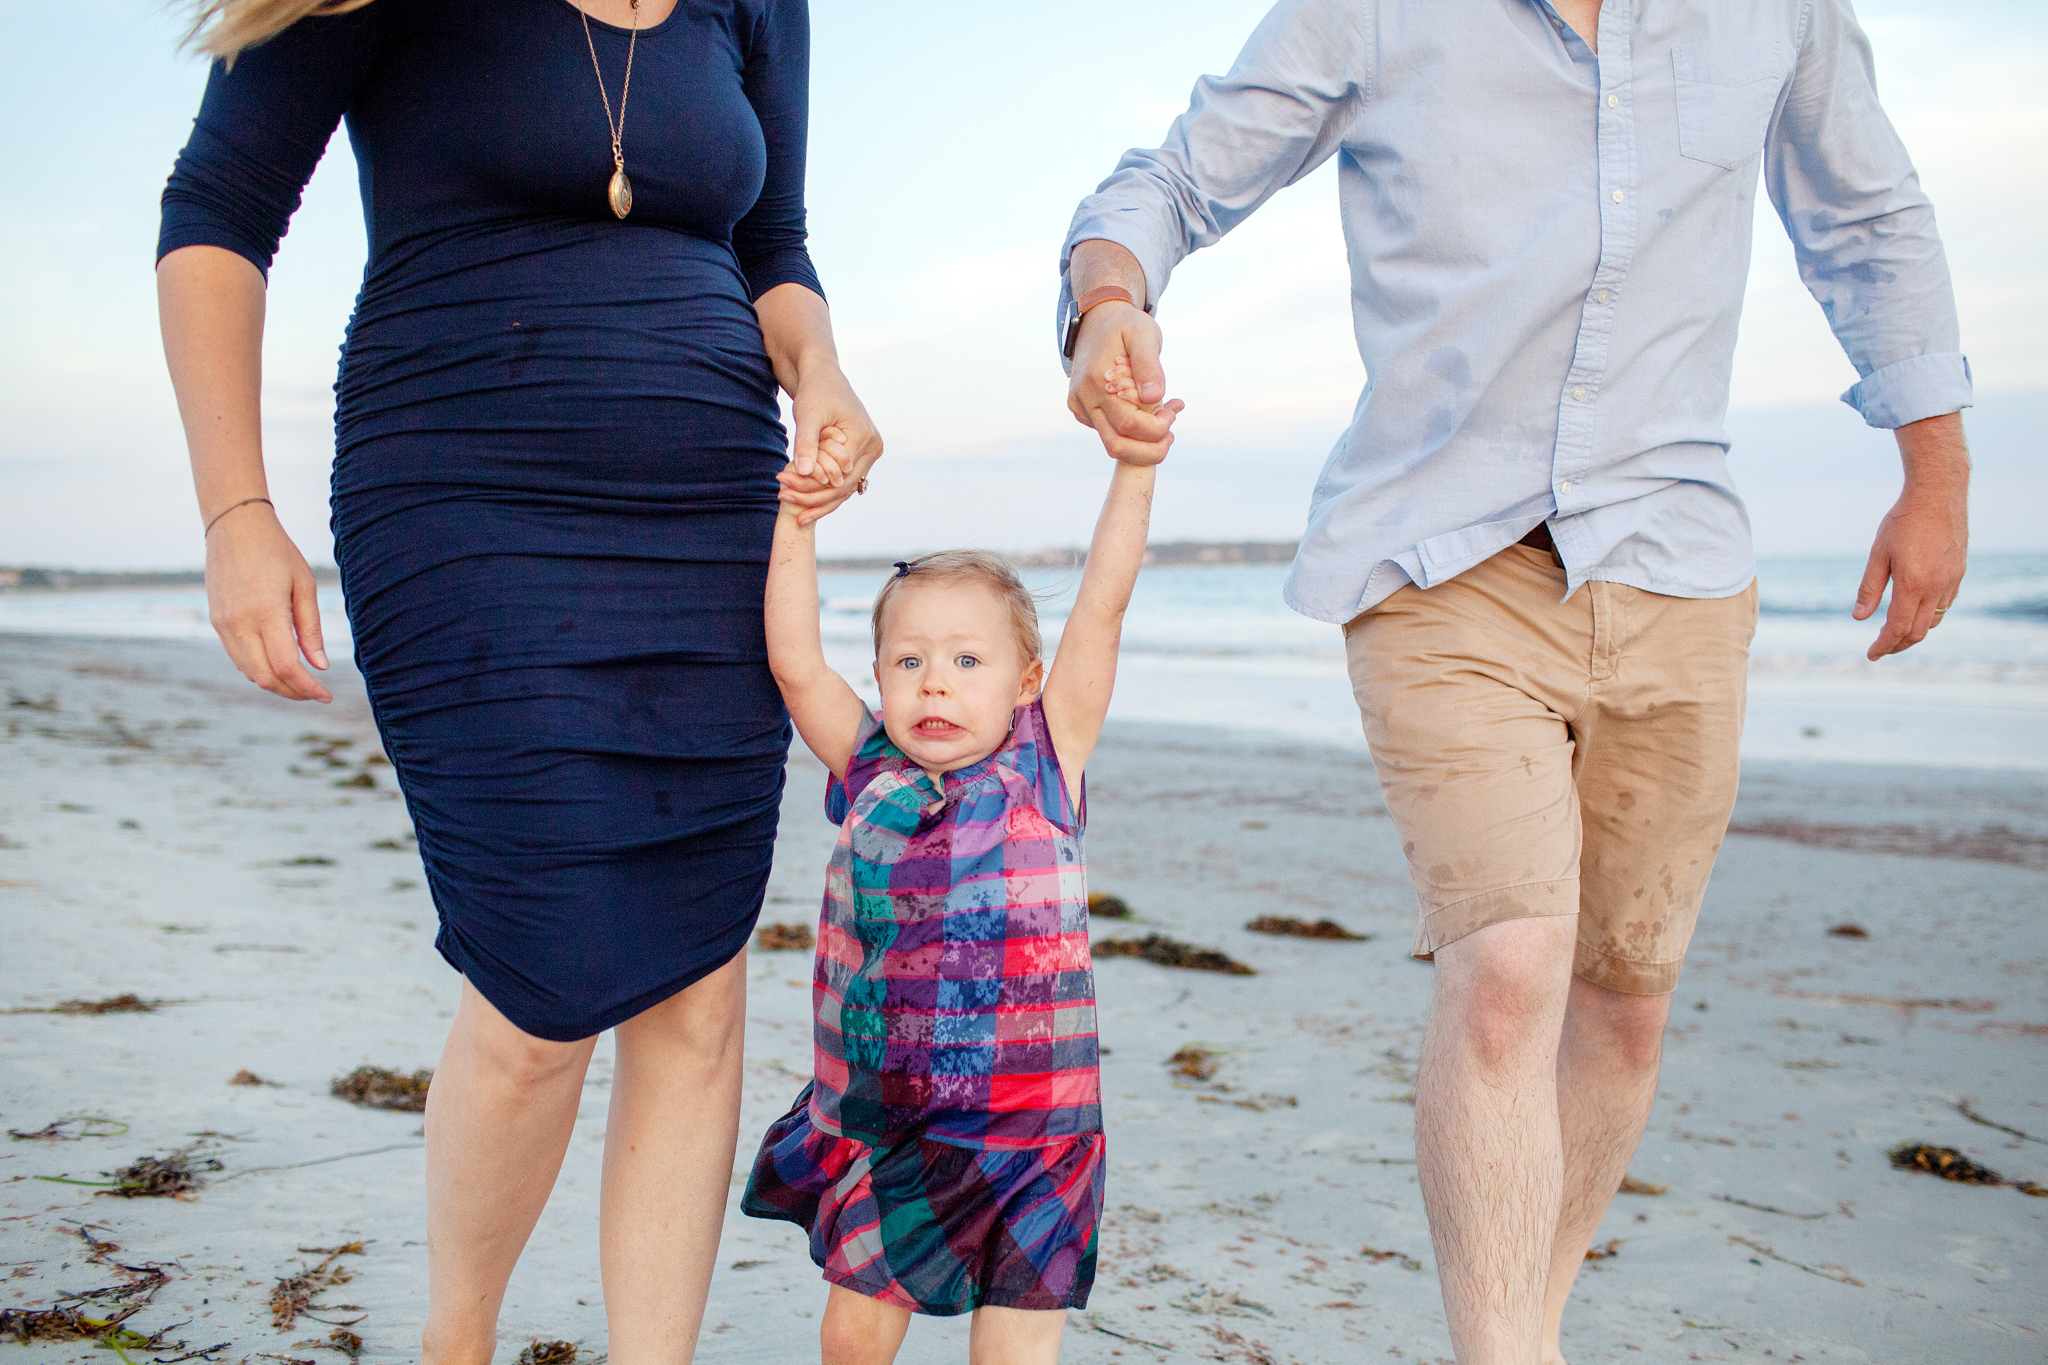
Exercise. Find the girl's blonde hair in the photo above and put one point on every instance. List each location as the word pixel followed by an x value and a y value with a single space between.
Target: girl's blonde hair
pixel 223 28
pixel 969 566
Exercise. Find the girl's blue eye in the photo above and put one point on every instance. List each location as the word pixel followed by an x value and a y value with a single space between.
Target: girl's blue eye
pixel 967 661
pixel 909 661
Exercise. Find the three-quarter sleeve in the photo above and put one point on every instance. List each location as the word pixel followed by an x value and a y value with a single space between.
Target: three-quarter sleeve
pixel 769 240
pixel 1863 230
pixel 262 127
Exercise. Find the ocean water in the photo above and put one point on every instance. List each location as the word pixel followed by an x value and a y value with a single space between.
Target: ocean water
pixel 1216 646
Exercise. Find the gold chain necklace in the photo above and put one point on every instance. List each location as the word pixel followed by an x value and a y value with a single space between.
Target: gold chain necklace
pixel 620 191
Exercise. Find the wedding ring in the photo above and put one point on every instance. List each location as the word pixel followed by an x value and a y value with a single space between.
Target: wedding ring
pixel 1939 610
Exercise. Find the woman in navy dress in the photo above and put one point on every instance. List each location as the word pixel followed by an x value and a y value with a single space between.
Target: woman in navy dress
pixel 554 490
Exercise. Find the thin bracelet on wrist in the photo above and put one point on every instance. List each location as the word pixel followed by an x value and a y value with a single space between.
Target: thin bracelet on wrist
pixel 231 507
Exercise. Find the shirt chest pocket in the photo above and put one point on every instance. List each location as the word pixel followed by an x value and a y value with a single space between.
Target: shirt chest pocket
pixel 1727 89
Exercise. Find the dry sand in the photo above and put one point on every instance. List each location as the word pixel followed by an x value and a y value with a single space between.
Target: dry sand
pixel 154 828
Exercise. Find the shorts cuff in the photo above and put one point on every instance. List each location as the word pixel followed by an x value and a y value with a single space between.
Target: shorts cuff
pixel 1624 975
pixel 1531 900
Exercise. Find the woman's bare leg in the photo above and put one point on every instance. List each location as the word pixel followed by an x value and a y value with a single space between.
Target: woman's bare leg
pixel 498 1120
pixel 1015 1336
pixel 858 1330
pixel 668 1158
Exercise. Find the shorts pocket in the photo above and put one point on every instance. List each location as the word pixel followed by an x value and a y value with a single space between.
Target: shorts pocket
pixel 1727 90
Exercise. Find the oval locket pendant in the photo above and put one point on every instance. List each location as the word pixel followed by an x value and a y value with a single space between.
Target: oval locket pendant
pixel 620 192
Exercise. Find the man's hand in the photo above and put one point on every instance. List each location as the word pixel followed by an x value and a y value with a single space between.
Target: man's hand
pixel 1923 543
pixel 1135 432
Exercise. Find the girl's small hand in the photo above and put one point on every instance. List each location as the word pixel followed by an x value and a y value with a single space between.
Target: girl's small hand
pixel 1120 384
pixel 835 445
pixel 1117 382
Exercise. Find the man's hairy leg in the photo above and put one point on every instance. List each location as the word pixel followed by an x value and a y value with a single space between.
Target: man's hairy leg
pixel 1486 1131
pixel 1606 1083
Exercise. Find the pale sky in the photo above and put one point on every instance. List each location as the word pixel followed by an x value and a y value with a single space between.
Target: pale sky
pixel 949 145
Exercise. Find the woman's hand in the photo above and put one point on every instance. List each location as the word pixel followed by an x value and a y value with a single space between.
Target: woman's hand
pixel 263 603
pixel 835 445
pixel 835 442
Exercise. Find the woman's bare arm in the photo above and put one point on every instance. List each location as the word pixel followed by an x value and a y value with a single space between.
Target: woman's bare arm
pixel 1084 672
pixel 835 442
pixel 259 589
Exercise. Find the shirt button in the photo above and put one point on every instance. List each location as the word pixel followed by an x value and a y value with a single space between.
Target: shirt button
pixel 1617 196
pixel 1578 396
pixel 1565 487
pixel 1614 101
pixel 1600 297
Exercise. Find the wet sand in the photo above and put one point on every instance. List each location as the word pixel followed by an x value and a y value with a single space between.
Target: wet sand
pixel 158 835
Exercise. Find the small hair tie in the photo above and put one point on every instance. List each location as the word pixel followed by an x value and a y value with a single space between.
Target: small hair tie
pixel 902 567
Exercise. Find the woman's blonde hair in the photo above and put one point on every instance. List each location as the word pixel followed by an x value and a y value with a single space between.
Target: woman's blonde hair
pixel 223 28
pixel 969 566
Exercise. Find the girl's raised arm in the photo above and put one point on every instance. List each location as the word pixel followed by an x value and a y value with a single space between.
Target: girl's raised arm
pixel 826 711
pixel 1084 672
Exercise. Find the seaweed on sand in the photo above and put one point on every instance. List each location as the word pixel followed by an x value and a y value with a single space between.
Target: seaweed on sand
pixel 1946 1162
pixel 548 1353
pixel 1102 905
pixel 128 1002
pixel 1195 1062
pixel 784 938
pixel 174 1175
pixel 69 1321
pixel 89 1125
pixel 1950 1164
pixel 1169 952
pixel 1286 926
pixel 294 1294
pixel 379 1087
pixel 1848 930
pixel 71 1324
pixel 1631 1185
pixel 247 1077
pixel 340 1339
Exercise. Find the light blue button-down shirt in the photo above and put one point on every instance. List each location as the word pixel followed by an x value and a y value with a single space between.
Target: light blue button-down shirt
pixel 1548 252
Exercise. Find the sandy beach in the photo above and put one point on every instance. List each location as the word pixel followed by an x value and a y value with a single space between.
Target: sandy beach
pixel 169 831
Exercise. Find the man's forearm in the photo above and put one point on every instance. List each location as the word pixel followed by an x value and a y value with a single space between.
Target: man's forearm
pixel 1098 262
pixel 1935 455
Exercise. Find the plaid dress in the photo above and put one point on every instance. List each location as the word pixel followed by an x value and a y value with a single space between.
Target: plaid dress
pixel 949 1153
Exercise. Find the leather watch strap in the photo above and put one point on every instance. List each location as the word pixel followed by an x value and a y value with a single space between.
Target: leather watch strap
pixel 1101 294
pixel 1094 298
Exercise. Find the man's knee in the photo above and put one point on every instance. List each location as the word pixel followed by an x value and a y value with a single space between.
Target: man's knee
pixel 1627 1029
pixel 1505 988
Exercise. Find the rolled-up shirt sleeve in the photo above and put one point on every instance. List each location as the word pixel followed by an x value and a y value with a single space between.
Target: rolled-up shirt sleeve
pixel 1863 229
pixel 1279 113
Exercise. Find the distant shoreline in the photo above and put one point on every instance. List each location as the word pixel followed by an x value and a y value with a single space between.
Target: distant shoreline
pixel 36 578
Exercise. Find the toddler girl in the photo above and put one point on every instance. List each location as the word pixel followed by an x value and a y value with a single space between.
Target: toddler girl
pixel 948 1156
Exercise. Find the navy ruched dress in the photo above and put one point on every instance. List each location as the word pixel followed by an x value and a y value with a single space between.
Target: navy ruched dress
pixel 556 442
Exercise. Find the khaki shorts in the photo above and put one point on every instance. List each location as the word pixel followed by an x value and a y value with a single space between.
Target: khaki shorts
pixel 1557 758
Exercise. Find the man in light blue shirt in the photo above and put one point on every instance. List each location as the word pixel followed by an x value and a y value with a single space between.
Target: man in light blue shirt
pixel 1548 211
